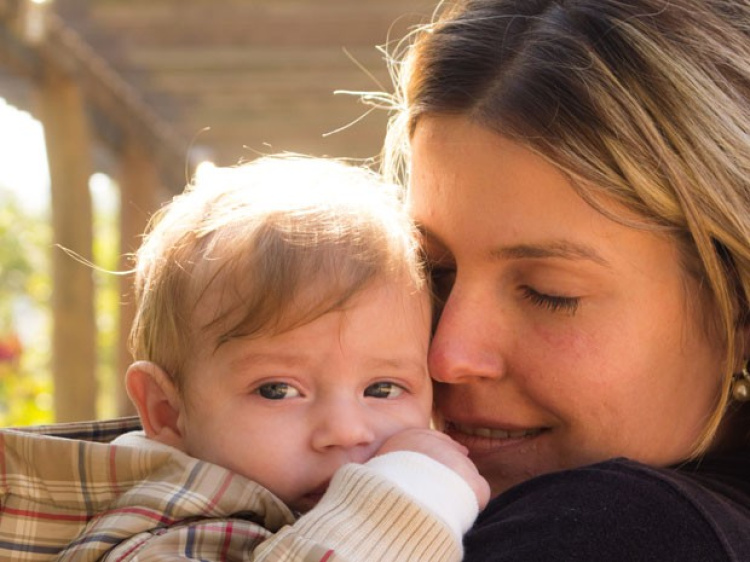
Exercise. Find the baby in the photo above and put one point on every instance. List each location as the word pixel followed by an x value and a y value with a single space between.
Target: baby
pixel 280 340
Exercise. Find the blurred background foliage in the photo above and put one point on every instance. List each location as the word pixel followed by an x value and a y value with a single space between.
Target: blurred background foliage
pixel 25 381
pixel 25 318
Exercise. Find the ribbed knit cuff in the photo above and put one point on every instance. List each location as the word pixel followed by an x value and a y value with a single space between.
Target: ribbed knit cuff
pixel 433 485
pixel 365 516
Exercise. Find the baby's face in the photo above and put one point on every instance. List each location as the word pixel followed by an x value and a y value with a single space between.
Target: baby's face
pixel 288 410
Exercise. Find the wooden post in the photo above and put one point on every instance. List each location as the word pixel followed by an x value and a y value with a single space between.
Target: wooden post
pixel 139 189
pixel 61 109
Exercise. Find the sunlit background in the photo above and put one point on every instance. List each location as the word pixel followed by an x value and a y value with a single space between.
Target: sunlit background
pixel 128 100
pixel 25 246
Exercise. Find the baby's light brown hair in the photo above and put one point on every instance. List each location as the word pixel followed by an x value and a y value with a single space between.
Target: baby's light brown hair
pixel 262 248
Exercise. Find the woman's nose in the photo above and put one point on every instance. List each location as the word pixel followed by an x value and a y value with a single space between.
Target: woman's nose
pixel 468 340
pixel 343 424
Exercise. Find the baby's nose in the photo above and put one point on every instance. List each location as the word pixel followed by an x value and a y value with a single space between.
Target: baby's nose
pixel 343 425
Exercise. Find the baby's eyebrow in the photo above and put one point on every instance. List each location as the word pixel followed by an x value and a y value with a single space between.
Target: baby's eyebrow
pixel 398 363
pixel 557 249
pixel 265 358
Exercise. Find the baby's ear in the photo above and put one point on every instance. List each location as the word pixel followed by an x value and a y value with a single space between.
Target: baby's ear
pixel 157 400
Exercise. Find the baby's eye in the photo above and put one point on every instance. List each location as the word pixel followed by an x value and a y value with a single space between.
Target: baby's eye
pixel 277 391
pixel 384 390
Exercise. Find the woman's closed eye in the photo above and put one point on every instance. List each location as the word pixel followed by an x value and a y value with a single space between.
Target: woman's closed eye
pixel 440 266
pixel 277 391
pixel 384 389
pixel 442 278
pixel 553 303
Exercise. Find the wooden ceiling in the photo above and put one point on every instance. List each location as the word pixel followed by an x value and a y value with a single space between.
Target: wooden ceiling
pixel 231 78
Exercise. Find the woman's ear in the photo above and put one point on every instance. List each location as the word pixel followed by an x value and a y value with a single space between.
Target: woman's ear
pixel 157 400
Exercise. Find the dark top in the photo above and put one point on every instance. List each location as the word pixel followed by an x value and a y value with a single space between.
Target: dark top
pixel 621 510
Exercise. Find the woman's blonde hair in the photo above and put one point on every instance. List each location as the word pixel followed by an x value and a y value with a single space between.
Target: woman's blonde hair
pixel 646 102
pixel 262 248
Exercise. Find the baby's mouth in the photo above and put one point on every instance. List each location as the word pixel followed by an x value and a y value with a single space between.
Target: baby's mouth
pixel 318 492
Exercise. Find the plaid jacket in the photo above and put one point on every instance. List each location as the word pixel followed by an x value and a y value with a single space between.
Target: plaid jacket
pixel 67 494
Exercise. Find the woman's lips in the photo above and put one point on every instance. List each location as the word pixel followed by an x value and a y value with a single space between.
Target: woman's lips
pixel 491 432
pixel 479 439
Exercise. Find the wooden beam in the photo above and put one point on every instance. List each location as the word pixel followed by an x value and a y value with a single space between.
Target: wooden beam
pixel 113 97
pixel 61 111
pixel 117 105
pixel 76 89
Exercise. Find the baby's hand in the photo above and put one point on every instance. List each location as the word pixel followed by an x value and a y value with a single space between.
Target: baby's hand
pixel 443 449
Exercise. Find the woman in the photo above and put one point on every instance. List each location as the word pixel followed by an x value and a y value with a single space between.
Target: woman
pixel 580 171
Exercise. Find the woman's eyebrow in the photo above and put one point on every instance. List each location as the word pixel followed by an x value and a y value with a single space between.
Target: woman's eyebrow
pixel 564 249
pixel 557 249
